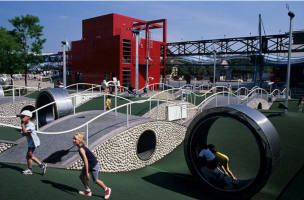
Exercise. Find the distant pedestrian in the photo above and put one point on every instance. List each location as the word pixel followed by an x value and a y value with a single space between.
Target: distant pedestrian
pixel 108 103
pixel 33 141
pixel 90 165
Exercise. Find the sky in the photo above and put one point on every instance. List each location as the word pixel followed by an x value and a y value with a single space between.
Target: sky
pixel 185 20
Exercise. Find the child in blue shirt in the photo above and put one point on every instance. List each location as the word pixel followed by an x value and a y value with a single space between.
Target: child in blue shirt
pixel 28 130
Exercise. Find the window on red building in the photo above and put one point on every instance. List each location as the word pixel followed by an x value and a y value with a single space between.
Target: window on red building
pixel 126 51
pixel 126 77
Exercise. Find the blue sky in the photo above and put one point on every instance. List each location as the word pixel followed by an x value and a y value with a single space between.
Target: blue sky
pixel 186 20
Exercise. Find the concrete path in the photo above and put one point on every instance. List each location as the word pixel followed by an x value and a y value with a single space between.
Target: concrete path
pixel 9 99
pixel 58 148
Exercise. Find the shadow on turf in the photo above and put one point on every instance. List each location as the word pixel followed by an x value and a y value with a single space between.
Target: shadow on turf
pixel 179 183
pixel 63 187
pixel 4 165
pixel 57 156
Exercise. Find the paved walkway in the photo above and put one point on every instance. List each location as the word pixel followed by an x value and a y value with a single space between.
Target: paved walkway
pixel 58 148
pixel 9 99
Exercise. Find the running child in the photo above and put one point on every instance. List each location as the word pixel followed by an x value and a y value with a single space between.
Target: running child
pixel 90 165
pixel 33 141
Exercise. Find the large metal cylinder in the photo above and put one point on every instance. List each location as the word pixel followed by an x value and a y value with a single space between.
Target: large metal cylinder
pixel 1 91
pixel 266 138
pixel 62 107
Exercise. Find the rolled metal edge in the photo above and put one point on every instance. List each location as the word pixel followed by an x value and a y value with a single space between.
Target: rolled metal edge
pixel 62 107
pixel 1 91
pixel 267 140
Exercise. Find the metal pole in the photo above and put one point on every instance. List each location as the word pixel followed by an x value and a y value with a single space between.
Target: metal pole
pixel 136 58
pixel 115 98
pixel 64 65
pixel 104 102
pixel 291 16
pixel 74 105
pixel 147 54
pixel 214 68
pixel 127 115
pixel 130 111
pixel 157 109
pixel 13 91
pixel 37 121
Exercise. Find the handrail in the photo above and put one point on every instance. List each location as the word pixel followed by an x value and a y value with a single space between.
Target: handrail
pixel 69 97
pixel 130 103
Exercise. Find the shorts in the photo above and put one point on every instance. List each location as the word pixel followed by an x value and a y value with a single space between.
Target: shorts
pixel 94 172
pixel 31 150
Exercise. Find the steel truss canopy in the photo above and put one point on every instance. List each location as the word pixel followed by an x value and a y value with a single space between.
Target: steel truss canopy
pixel 241 45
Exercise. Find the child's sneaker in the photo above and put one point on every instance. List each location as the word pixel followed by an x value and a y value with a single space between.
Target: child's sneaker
pixel 27 172
pixel 107 193
pixel 87 193
pixel 43 168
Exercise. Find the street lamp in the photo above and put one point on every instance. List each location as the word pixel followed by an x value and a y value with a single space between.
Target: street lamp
pixel 64 45
pixel 291 16
pixel 136 32
pixel 214 67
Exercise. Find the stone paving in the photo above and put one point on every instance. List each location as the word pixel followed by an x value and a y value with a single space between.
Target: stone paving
pixel 60 147
pixel 9 99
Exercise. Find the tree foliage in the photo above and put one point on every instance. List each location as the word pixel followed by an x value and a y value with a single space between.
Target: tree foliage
pixel 28 32
pixel 10 57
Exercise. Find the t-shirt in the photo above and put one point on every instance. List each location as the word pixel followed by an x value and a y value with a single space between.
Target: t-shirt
pixel 92 161
pixel 32 139
pixel 206 153
pixel 108 103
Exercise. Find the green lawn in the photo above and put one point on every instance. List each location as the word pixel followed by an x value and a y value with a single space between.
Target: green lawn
pixel 137 109
pixel 292 105
pixel 9 134
pixel 169 178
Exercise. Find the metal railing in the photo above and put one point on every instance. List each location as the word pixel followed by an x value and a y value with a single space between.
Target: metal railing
pixel 151 99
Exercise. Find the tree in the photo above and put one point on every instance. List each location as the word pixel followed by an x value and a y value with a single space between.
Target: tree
pixel 29 34
pixel 10 57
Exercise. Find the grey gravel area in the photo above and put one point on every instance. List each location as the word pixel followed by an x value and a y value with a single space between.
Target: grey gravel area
pixel 60 147
pixel 5 146
pixel 9 99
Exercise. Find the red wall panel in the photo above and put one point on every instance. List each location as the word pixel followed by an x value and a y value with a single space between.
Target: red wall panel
pixel 98 55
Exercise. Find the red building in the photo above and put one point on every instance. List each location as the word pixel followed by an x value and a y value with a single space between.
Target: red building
pixel 107 49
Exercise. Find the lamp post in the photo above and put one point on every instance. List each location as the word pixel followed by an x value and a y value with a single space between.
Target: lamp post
pixel 291 16
pixel 136 32
pixel 214 68
pixel 64 44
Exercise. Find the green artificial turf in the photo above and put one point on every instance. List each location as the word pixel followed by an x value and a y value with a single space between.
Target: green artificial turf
pixel 169 178
pixel 34 95
pixel 294 189
pixel 137 109
pixel 292 105
pixel 9 134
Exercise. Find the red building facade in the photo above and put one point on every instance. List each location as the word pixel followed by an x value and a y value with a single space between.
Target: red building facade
pixel 107 50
